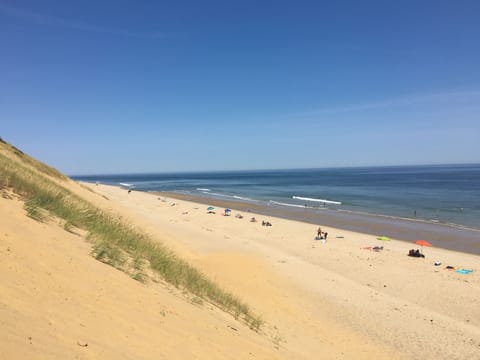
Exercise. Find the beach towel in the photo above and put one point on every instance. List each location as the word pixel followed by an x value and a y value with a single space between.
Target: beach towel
pixel 464 271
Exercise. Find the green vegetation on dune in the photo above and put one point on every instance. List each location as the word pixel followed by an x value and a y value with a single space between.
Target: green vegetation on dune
pixel 114 241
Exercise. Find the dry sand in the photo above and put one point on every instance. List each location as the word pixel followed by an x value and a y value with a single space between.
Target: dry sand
pixel 58 302
pixel 320 301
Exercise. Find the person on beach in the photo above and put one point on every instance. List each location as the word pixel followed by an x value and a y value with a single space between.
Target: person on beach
pixel 319 232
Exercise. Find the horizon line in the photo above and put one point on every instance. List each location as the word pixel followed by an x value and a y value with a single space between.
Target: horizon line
pixel 272 169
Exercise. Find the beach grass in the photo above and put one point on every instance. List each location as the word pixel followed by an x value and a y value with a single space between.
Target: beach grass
pixel 115 241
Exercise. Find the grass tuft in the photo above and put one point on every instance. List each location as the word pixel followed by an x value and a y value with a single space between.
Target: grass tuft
pixel 109 254
pixel 34 211
pixel 140 277
pixel 68 226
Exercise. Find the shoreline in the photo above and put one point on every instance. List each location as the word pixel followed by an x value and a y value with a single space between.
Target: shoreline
pixel 451 237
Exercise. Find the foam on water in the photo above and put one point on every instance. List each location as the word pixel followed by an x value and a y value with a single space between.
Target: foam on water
pixel 443 193
pixel 317 200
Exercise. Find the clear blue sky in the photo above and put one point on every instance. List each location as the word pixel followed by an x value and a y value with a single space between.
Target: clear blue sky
pixel 159 86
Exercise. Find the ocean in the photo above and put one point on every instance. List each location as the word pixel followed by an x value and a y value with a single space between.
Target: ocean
pixel 446 194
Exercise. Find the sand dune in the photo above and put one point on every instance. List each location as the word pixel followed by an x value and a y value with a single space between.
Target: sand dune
pixel 58 302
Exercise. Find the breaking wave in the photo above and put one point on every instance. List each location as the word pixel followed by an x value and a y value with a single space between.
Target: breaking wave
pixel 317 200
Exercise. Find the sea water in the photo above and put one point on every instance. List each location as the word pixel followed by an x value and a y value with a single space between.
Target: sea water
pixel 436 193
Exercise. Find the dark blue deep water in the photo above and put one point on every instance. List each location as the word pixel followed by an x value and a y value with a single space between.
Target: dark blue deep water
pixel 437 193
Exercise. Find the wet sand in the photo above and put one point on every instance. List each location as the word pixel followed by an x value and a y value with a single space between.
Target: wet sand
pixel 440 235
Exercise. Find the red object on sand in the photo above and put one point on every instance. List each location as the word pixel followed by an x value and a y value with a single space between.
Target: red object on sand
pixel 422 243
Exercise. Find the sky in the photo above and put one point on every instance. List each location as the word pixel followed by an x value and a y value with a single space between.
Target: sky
pixel 130 86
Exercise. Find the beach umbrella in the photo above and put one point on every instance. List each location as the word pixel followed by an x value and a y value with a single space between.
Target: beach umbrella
pixel 422 243
pixel 228 210
pixel 383 238
pixel 210 208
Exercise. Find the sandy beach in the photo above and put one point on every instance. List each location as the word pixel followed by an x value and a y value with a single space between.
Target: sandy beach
pixel 58 302
pixel 335 300
pixel 449 236
pixel 170 171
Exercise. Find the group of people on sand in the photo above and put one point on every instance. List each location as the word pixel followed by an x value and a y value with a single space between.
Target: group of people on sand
pixel 321 235
pixel 415 253
pixel 264 223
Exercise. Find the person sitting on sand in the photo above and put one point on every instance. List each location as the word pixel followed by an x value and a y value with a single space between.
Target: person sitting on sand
pixel 415 253
pixel 253 219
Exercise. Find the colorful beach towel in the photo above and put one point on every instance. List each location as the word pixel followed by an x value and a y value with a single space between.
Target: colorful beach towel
pixel 464 271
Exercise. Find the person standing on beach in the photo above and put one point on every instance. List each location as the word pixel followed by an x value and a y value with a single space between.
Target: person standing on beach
pixel 319 232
